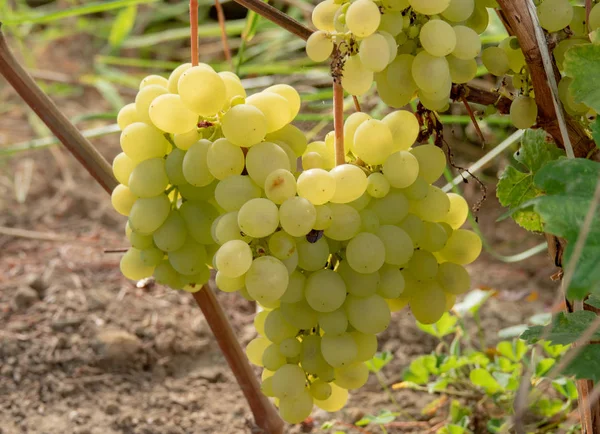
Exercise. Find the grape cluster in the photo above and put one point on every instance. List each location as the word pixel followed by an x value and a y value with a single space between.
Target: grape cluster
pixel 405 46
pixel 209 179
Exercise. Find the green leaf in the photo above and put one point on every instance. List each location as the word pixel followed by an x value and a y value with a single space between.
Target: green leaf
pixel 378 361
pixel 496 426
pixel 458 412
pixel 512 331
pixel 582 64
pixel 445 325
pixel 594 301
pixel 515 186
pixel 482 378
pixel 566 328
pixel 548 407
pixel 596 132
pixel 544 366
pixel 586 365
pixel 554 350
pixel 566 387
pixel 122 26
pixel 569 186
pixel 513 350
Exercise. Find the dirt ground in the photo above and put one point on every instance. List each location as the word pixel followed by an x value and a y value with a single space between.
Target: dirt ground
pixel 85 351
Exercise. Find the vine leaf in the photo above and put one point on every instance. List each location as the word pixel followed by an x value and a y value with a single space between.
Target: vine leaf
pixel 586 365
pixel 516 186
pixel 596 132
pixel 566 328
pixel 582 64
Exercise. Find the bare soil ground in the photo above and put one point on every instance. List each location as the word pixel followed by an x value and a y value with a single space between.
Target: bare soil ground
pixel 85 351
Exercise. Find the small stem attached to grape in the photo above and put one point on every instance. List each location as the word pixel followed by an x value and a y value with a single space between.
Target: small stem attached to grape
pixel 338 107
pixel 225 42
pixel 356 103
pixel 194 31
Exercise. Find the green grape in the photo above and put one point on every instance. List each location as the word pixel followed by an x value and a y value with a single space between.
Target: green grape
pixel 345 222
pixel 172 233
pixel 417 190
pixel 392 208
pixel 363 18
pixel 357 79
pixel 333 323
pixel 140 141
pixel 292 136
pixel 325 151
pixel 401 169
pixel 144 99
pixel 234 258
pixel 174 167
pixel 127 116
pixel 453 278
pixel 373 141
pixel 259 321
pixel 189 192
pixel 432 162
pixel 299 314
pixel 272 358
pixel 324 217
pixel 397 304
pixel 374 52
pixel 244 125
pixel 202 90
pixel 428 305
pixel 351 183
pixel 316 185
pixel 169 114
pixel 292 97
pixel 175 75
pixel 122 199
pixel 429 7
pixel 366 345
pixel 338 350
pixel 322 15
pixel 258 218
pixel 423 265
pixel 395 5
pixel 266 387
pixel 353 376
pixel 195 164
pixel 434 207
pixel 365 253
pixel 313 160
pixel 429 72
pixel 523 112
pixel 392 45
pixel 152 256
pixel 565 45
pixel 377 185
pixel 185 140
pixel 224 159
pixel 149 213
pixel 189 258
pixel 468 43
pixel 463 247
pixel 313 256
pixel 434 237
pixel 389 91
pixel 199 217
pixel 229 284
pixel 282 245
pixel 264 158
pixel 368 315
pixel 359 284
pixel 414 227
pixel 311 357
pixel 566 97
pixel 256 348
pixel 149 178
pixel 267 279
pixel 369 221
pixel 291 263
pixel 195 282
pixel 132 266
pixel 404 128
pixel 398 245
pixel 297 408
pixel 277 329
pixel 141 241
pixel 319 46
pixel 496 61
pixel 233 87
pixel 234 191
pixel 438 38
pixel 391 283
pixel 594 18
pixel 462 71
pixel 459 210
pixel 335 402
pixel 297 216
pixel 479 19
pixel 361 203
pixel 555 15
pixel 516 58
pixel 392 23
pixel 459 10
pixel 320 390
pixel 325 301
pixel 290 347
pixel 225 228
pixel 275 108
pixel 350 125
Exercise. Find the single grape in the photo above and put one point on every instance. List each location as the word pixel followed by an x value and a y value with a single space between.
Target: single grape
pixel 428 305
pixel 429 7
pixel 368 315
pixel 391 283
pixel 322 15
pixel 172 233
pixel 202 90
pixel 195 164
pixel 140 141
pixel 459 10
pixel 357 79
pixel 199 217
pixel 430 72
pixel 258 217
pixel 276 109
pixel 438 38
pixel 523 112
pixel 234 258
pixel 127 116
pixel 149 213
pixel 132 266
pixel 398 245
pixel 351 183
pixel 373 141
pixel 264 158
pixel 319 46
pixel 365 253
pixel 363 18
pixel 234 191
pixel 316 185
pixel 345 222
pixel 495 60
pixel 267 279
pixel 122 199
pixel 169 114
pixel 312 256
pixel 149 178
pixel 468 43
pixel 432 162
pixel 374 52
pixel 453 278
pixel 333 323
pixel 350 125
pixel 244 125
pixel 224 159
pixel 555 15
pixel 325 301
pixel 463 247
pixel 353 376
pixel 392 208
pixel 297 216
pixel 359 284
pixel 280 186
pixel 404 128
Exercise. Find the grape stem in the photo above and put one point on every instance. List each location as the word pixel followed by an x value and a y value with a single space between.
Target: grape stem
pixel 194 31
pixel 224 41
pixel 588 9
pixel 275 15
pixel 338 108
pixel 472 116
pixel 264 413
pixel 356 103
